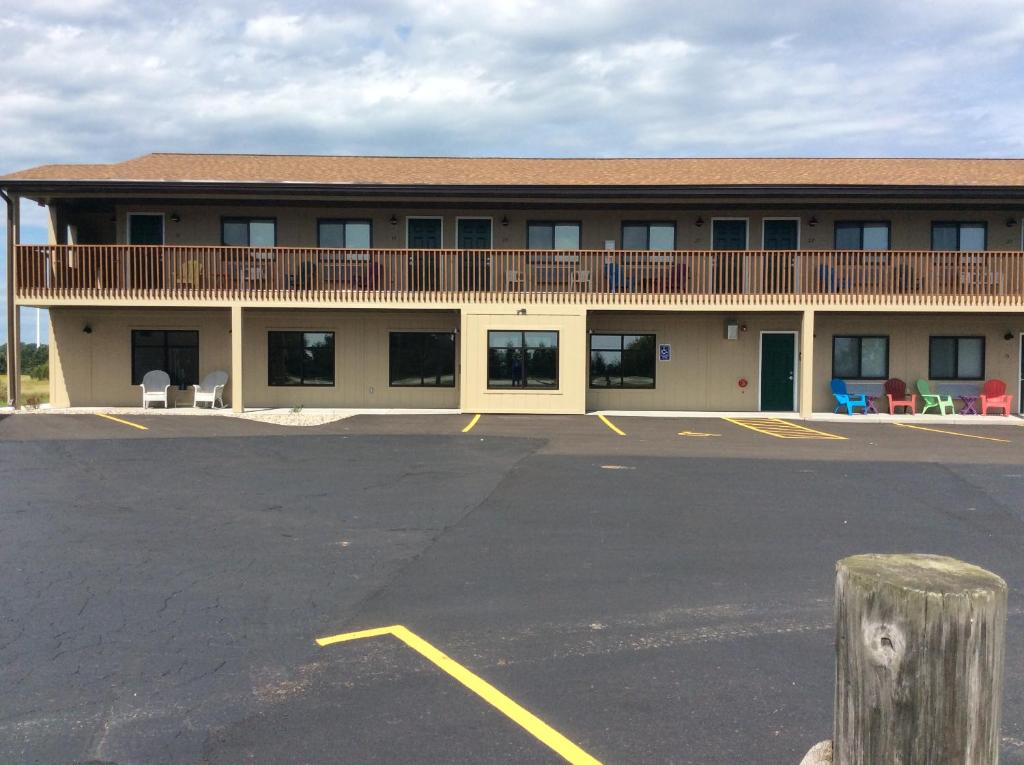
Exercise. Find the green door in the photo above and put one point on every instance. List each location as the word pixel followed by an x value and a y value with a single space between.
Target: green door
pixel 145 229
pixel 475 234
pixel 778 357
pixel 424 268
pixel 728 235
pixel 779 273
pixel 145 268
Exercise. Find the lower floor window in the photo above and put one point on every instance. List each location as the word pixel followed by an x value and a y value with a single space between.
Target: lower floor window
pixel 173 351
pixel 956 358
pixel 522 359
pixel 860 358
pixel 422 359
pixel 622 361
pixel 300 358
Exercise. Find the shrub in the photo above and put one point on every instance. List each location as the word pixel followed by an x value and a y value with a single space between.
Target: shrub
pixel 40 371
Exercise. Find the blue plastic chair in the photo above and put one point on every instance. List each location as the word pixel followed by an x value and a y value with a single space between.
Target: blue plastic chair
pixel 850 400
pixel 615 280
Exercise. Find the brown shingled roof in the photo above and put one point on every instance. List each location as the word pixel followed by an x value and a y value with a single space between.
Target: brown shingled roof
pixel 481 171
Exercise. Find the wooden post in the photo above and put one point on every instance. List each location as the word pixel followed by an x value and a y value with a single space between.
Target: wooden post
pixel 919 661
pixel 237 360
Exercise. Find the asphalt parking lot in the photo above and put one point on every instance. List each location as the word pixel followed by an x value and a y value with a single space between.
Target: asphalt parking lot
pixel 659 596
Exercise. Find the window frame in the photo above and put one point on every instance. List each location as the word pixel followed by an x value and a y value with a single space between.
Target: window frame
pixel 959 225
pixel 166 349
pixel 523 347
pixel 248 220
pixel 552 224
pixel 424 332
pixel 647 225
pixel 344 222
pixel 862 223
pixel 334 361
pixel 956 357
pixel 860 356
pixel 621 351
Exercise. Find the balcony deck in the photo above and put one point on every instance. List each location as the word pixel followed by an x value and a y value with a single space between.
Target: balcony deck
pixel 196 275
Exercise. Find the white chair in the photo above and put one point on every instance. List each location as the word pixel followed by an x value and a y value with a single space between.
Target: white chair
pixel 580 280
pixel 155 385
pixel 513 280
pixel 211 390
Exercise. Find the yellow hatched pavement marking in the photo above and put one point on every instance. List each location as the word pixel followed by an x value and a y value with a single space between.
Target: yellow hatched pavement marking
pixel 779 428
pixel 123 422
pixel 474 421
pixel 533 724
pixel 695 434
pixel 951 433
pixel 610 424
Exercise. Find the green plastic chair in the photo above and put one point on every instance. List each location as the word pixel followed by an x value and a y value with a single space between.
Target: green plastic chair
pixel 934 400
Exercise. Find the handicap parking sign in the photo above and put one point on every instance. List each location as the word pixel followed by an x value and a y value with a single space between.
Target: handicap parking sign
pixel 664 352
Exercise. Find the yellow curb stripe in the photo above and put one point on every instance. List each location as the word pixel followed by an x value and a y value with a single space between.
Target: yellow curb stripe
pixel 951 433
pixel 698 435
pixel 123 422
pixel 474 421
pixel 527 720
pixel 610 424
pixel 786 429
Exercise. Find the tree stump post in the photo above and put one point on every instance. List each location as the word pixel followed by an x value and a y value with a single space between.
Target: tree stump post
pixel 919 661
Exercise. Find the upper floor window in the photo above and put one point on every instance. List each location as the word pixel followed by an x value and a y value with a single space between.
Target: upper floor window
pixel 543 235
pixel 344 233
pixel 248 232
pixel 959 236
pixel 862 235
pixel 648 236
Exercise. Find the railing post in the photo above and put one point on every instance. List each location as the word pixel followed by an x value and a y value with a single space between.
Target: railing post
pixel 919 661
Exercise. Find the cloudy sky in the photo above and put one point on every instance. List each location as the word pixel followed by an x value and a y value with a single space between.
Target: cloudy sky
pixel 99 80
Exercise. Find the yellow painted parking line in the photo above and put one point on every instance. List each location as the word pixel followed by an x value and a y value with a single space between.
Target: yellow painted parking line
pixel 699 435
pixel 123 422
pixel 951 433
pixel 530 722
pixel 779 428
pixel 474 421
pixel 610 424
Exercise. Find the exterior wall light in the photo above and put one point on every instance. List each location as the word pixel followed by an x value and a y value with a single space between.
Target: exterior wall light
pixel 1011 222
pixel 87 329
pixel 699 222
pixel 1008 336
pixel 504 220
pixel 813 221
pixel 175 218
pixel 393 220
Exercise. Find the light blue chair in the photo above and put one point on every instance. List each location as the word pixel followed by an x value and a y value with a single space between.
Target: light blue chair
pixel 850 400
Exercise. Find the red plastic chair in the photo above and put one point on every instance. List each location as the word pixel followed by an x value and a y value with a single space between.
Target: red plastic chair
pixel 896 392
pixel 993 395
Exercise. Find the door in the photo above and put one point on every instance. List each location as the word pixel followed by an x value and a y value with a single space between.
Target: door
pixel 475 234
pixel 779 271
pixel 145 267
pixel 424 268
pixel 778 371
pixel 728 235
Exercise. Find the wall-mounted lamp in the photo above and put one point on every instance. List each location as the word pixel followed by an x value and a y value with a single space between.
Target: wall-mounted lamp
pixel 1009 335
pixel 699 222
pixel 504 220
pixel 393 220
pixel 175 218
pixel 521 312
pixel 1011 222
pixel 813 221
pixel 87 329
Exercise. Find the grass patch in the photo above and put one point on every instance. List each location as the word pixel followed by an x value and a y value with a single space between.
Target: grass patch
pixel 30 388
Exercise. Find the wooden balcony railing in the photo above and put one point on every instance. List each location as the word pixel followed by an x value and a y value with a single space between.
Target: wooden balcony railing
pixel 130 272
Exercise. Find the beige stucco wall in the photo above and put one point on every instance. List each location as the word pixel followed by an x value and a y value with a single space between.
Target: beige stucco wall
pixel 705 369
pixel 908 346
pixel 571 325
pixel 296 225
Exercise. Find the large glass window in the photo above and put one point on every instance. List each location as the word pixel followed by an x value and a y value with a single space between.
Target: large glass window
pixel 300 358
pixel 522 359
pixel 174 351
pixel 861 235
pixel 622 361
pixel 648 236
pixel 422 359
pixel 248 232
pixel 959 236
pixel 956 358
pixel 544 235
pixel 860 357
pixel 344 233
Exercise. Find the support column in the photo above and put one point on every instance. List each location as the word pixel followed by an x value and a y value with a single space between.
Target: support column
pixel 237 402
pixel 806 364
pixel 13 323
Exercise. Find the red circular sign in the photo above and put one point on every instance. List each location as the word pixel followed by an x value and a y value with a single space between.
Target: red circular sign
pixel 742 382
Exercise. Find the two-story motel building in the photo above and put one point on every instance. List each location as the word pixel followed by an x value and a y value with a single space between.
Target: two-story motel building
pixel 522 285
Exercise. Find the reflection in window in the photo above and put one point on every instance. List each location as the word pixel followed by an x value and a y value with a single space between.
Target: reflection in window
pixel 959 236
pixel 300 358
pixel 248 232
pixel 344 233
pixel 860 358
pixel 173 351
pixel 648 236
pixel 859 235
pixel 522 359
pixel 422 359
pixel 542 235
pixel 622 361
pixel 956 358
